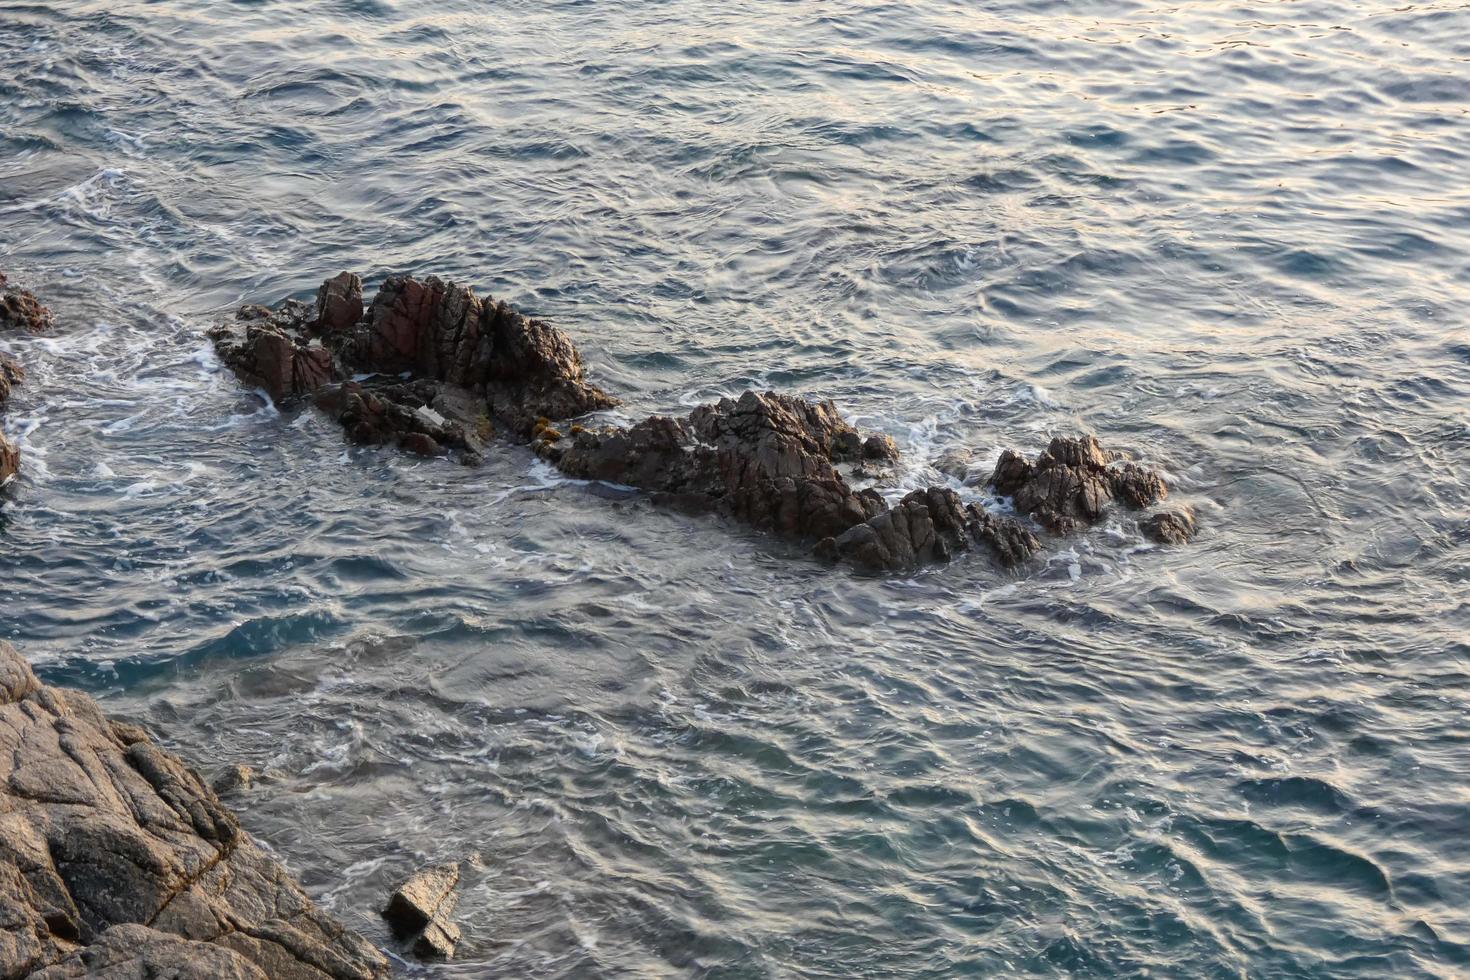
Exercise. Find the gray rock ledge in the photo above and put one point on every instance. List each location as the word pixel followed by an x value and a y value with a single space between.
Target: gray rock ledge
pixel 117 861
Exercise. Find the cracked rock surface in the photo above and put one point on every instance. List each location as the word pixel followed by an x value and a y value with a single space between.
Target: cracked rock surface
pixel 117 861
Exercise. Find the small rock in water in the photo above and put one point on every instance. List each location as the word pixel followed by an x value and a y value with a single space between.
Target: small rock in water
pixel 420 908
pixel 955 463
pixel 232 778
pixel 1171 526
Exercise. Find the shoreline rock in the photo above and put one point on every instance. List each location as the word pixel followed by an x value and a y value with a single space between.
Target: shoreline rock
pixel 434 369
pixel 116 860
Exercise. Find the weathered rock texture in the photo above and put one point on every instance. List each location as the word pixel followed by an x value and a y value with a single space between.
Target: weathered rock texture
pixel 1070 485
pixel 926 527
pixel 421 908
pixel 450 366
pixel 765 459
pixel 117 861
pixel 20 310
pixel 435 346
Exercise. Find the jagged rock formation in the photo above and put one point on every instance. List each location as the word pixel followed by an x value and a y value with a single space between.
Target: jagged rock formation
pixel 1071 483
pixel 420 910
pixel 19 310
pixel 471 361
pixel 765 459
pixel 457 364
pixel 117 861
pixel 926 527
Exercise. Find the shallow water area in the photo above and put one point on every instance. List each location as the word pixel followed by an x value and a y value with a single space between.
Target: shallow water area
pixel 1233 239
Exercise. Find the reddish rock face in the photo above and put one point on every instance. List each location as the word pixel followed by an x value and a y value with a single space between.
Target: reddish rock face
pixel 339 304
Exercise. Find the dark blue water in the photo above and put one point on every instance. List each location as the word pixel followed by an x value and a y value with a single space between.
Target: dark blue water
pixel 1234 238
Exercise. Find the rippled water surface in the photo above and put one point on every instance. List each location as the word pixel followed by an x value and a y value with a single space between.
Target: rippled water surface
pixel 1232 237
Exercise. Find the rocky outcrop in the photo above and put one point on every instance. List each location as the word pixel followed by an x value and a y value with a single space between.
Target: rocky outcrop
pixel 926 527
pixel 471 361
pixel 116 860
pixel 768 460
pixel 448 368
pixel 421 908
pixel 1070 485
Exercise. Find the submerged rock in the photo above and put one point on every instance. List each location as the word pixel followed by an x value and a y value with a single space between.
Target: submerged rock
pixel 116 860
pixel 1071 483
pixel 1170 526
pixel 420 909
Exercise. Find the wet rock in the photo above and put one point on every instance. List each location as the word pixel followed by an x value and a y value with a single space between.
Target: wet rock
pixel 117 861
pixel 1070 485
pixel 232 779
pixel 20 310
pixel 419 911
pixel 955 464
pixel 1171 526
pixel 1010 541
pixel 273 355
pixel 435 333
pixel 764 459
pixel 339 303
pixel 927 527
pixel 879 447
pixel 11 375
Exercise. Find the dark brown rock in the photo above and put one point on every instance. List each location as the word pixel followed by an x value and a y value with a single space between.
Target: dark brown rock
pixel 1071 483
pixel 512 367
pixel 117 861
pixel 764 459
pixel 1170 527
pixel 273 352
pixel 927 527
pixel 20 310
